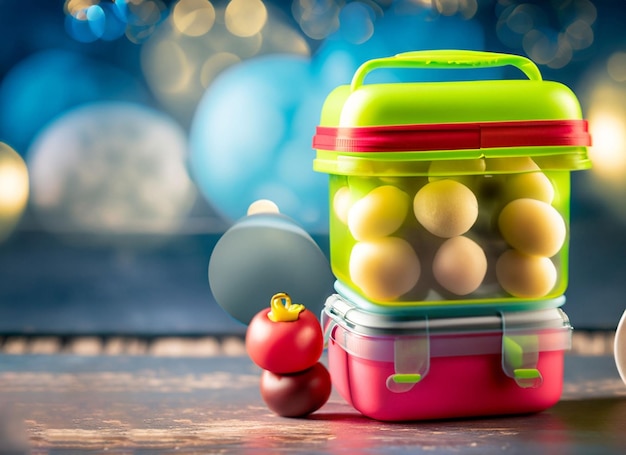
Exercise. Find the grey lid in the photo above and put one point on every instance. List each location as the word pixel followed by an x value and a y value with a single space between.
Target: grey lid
pixel 261 255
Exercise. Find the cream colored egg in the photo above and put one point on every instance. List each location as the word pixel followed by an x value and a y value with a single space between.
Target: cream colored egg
pixel 384 269
pixel 460 265
pixel 379 213
pixel 342 200
pixel 525 276
pixel 533 185
pixel 532 227
pixel 446 208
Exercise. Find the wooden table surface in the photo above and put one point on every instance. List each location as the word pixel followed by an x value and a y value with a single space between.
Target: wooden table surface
pixel 56 404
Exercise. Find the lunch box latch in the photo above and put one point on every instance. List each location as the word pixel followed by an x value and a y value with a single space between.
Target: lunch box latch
pixel 520 354
pixel 411 361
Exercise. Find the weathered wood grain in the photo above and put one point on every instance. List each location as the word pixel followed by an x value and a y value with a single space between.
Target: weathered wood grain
pixel 142 404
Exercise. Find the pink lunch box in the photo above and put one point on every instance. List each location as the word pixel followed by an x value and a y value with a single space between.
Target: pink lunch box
pixel 399 367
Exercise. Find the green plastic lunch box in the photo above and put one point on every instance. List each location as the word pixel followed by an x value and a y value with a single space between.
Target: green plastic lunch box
pixel 451 194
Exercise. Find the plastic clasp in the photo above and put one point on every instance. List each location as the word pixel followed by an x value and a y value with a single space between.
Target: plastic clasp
pixel 327 326
pixel 411 361
pixel 520 355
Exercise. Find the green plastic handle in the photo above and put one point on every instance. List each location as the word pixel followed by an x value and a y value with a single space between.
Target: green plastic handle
pixel 447 59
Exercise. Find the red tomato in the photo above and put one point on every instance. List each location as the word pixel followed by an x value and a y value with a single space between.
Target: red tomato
pixel 285 346
pixel 296 394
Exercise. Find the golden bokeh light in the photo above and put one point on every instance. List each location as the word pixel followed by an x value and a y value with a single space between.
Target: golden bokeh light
pixel 75 6
pixel 193 17
pixel 179 67
pixel 446 7
pixel 146 12
pixel 245 17
pixel 608 153
pixel 220 39
pixel 174 68
pixel 13 189
pixel 607 124
pixel 522 18
pixel 467 8
pixel 279 35
pixel 579 34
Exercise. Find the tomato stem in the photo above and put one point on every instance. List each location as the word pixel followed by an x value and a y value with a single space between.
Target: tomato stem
pixel 284 312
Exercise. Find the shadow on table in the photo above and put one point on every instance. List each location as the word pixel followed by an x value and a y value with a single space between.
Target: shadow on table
pixel 596 425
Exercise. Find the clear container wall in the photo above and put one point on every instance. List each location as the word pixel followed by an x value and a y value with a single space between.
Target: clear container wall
pixel 498 234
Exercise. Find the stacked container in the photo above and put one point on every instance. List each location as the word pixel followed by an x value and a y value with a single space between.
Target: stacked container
pixel 449 238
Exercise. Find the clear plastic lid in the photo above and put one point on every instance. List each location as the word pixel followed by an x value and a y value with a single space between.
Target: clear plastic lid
pixel 364 322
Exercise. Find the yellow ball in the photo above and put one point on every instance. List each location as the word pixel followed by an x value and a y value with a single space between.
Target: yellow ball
pixel 379 213
pixel 525 276
pixel 532 227
pixel 460 265
pixel 446 208
pixel 384 269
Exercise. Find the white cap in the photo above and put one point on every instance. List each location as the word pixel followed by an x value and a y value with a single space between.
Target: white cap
pixel 262 206
pixel 620 347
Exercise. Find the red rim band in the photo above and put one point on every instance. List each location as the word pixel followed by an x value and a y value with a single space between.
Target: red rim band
pixel 453 136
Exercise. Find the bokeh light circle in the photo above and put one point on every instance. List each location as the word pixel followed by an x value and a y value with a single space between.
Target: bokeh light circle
pixel 179 67
pixel 357 22
pixel 605 99
pixel 245 17
pixel 317 18
pixel 143 17
pixel 193 17
pixel 550 33
pixel 110 169
pixel 14 189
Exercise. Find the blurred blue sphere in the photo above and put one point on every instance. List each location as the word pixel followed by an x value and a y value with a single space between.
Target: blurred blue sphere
pixel 252 131
pixel 251 139
pixel 46 84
